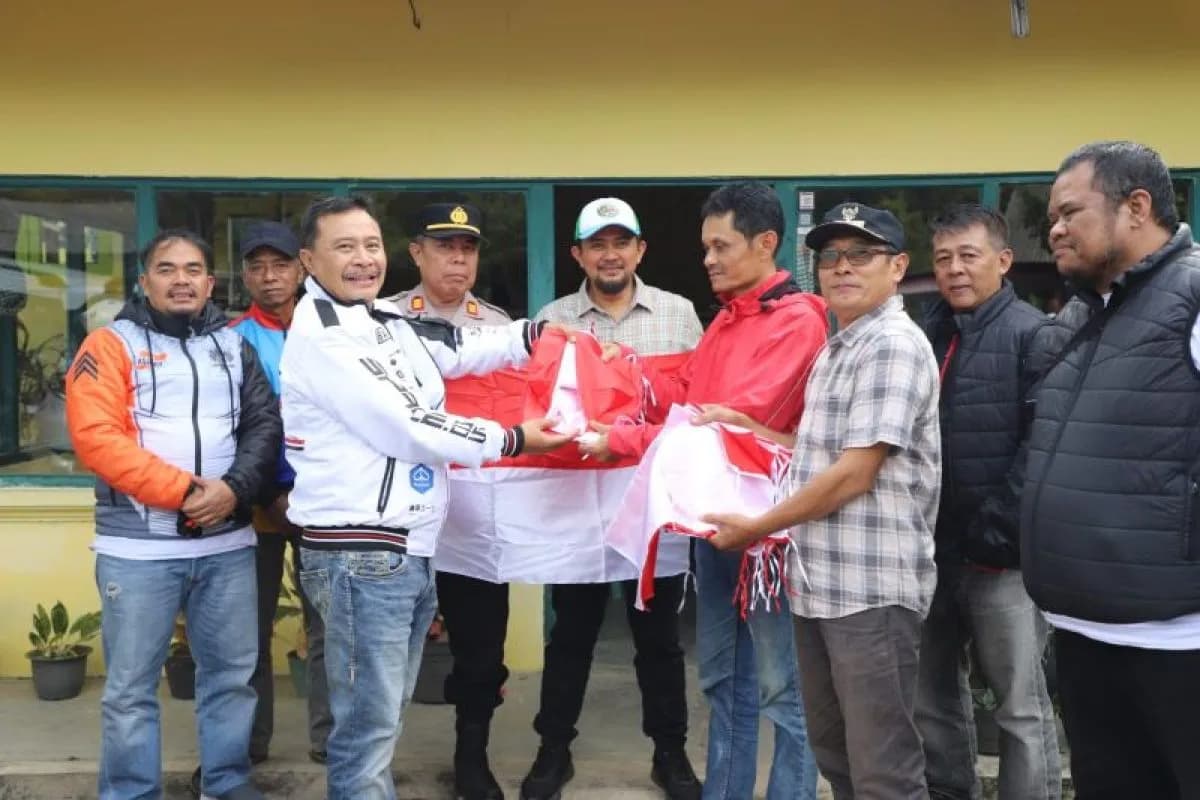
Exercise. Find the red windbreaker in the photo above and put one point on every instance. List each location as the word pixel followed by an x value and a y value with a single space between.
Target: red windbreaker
pixel 755 358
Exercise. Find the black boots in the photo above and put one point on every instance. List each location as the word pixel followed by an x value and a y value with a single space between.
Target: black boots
pixel 473 779
pixel 550 772
pixel 673 772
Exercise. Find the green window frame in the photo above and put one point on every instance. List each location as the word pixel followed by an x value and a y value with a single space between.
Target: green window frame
pixel 540 222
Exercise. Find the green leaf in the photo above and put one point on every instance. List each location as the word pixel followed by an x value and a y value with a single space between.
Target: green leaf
pixel 41 623
pixel 87 626
pixel 36 641
pixel 60 620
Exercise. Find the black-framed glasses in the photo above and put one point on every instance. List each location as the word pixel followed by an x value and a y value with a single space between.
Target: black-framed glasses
pixel 855 256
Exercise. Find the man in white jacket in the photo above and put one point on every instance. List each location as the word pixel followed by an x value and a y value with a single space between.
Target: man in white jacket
pixel 367 435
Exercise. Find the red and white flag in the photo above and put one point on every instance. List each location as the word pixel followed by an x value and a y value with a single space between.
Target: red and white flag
pixel 542 518
pixel 692 470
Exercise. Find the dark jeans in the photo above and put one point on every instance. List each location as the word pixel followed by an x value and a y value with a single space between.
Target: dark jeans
pixel 658 660
pixel 476 617
pixel 269 561
pixel 1132 718
pixel 858 677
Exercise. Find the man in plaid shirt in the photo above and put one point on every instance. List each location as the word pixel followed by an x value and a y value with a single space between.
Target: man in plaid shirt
pixel 864 483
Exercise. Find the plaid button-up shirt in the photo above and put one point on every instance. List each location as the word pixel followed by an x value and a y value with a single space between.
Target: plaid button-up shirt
pixel 875 382
pixel 657 322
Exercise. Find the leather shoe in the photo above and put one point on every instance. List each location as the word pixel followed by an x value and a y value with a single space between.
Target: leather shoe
pixel 550 772
pixel 672 771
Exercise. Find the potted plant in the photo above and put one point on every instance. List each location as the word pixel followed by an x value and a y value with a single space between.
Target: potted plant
pixel 291 605
pixel 58 659
pixel 180 668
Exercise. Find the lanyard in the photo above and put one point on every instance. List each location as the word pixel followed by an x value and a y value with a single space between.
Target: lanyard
pixel 946 359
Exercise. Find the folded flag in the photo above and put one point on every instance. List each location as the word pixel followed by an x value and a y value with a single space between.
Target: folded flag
pixel 692 470
pixel 541 518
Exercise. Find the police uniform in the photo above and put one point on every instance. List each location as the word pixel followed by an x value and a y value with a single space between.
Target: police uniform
pixel 470 312
pixel 475 611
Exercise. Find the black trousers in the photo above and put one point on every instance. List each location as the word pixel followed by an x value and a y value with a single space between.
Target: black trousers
pixel 476 617
pixel 269 561
pixel 1132 718
pixel 658 659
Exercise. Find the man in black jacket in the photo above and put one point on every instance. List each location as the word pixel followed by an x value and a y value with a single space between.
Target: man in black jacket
pixel 1110 543
pixel 991 347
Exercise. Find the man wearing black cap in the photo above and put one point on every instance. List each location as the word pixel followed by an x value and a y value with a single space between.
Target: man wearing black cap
pixel 272 275
pixel 863 493
pixel 445 248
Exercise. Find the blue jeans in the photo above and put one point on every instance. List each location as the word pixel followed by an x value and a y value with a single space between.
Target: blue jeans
pixel 745 667
pixel 140 600
pixel 993 613
pixel 377 607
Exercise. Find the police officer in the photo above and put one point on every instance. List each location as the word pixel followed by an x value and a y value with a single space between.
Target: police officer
pixel 445 248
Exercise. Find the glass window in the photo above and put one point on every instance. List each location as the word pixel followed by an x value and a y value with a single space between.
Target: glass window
pixel 1033 273
pixel 66 257
pixel 502 278
pixel 221 218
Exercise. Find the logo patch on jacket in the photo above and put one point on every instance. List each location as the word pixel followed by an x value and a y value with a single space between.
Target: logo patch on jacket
pixel 218 358
pixel 382 335
pixel 420 478
pixel 144 357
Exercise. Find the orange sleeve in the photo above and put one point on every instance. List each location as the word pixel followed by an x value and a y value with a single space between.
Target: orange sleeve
pixel 99 395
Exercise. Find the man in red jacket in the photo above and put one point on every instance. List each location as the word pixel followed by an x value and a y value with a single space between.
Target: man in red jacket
pixel 754 359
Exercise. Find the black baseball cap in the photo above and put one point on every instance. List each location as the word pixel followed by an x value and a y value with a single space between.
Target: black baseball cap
pixel 443 220
pixel 856 219
pixel 274 235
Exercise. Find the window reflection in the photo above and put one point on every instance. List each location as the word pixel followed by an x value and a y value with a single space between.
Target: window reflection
pixel 64 257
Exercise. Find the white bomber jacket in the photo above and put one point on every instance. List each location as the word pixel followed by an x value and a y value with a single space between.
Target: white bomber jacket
pixel 364 424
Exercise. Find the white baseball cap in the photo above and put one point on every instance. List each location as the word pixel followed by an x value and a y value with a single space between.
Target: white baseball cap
pixel 605 211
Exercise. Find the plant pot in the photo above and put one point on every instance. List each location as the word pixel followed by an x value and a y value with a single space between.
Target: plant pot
pixel 181 676
pixel 59 678
pixel 435 667
pixel 987 732
pixel 299 670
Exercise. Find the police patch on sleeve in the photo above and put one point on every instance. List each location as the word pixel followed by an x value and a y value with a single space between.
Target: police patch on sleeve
pixel 420 478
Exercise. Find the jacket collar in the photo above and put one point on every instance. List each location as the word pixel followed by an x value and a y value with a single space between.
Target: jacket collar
pixel 379 310
pixel 980 317
pixel 264 318
pixel 139 312
pixel 1136 276
pixel 753 301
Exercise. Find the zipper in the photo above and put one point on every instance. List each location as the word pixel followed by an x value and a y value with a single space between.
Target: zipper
pixel 1191 544
pixel 385 486
pixel 195 402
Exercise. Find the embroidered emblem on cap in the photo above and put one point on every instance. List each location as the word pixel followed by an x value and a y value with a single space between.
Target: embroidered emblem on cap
pixel 605 210
pixel 459 215
pixel 849 213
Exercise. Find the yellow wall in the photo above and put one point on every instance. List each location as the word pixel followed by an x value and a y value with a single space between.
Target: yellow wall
pixel 44 538
pixel 534 88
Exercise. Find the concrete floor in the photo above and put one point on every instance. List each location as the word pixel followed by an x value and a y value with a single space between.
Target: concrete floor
pixel 48 750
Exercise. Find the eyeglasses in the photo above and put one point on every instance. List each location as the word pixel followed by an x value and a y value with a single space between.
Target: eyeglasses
pixel 855 256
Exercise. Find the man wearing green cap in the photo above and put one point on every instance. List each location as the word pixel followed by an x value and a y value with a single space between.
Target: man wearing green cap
pixel 616 306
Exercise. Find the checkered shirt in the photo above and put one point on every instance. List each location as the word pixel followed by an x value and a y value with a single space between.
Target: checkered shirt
pixel 657 322
pixel 875 381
